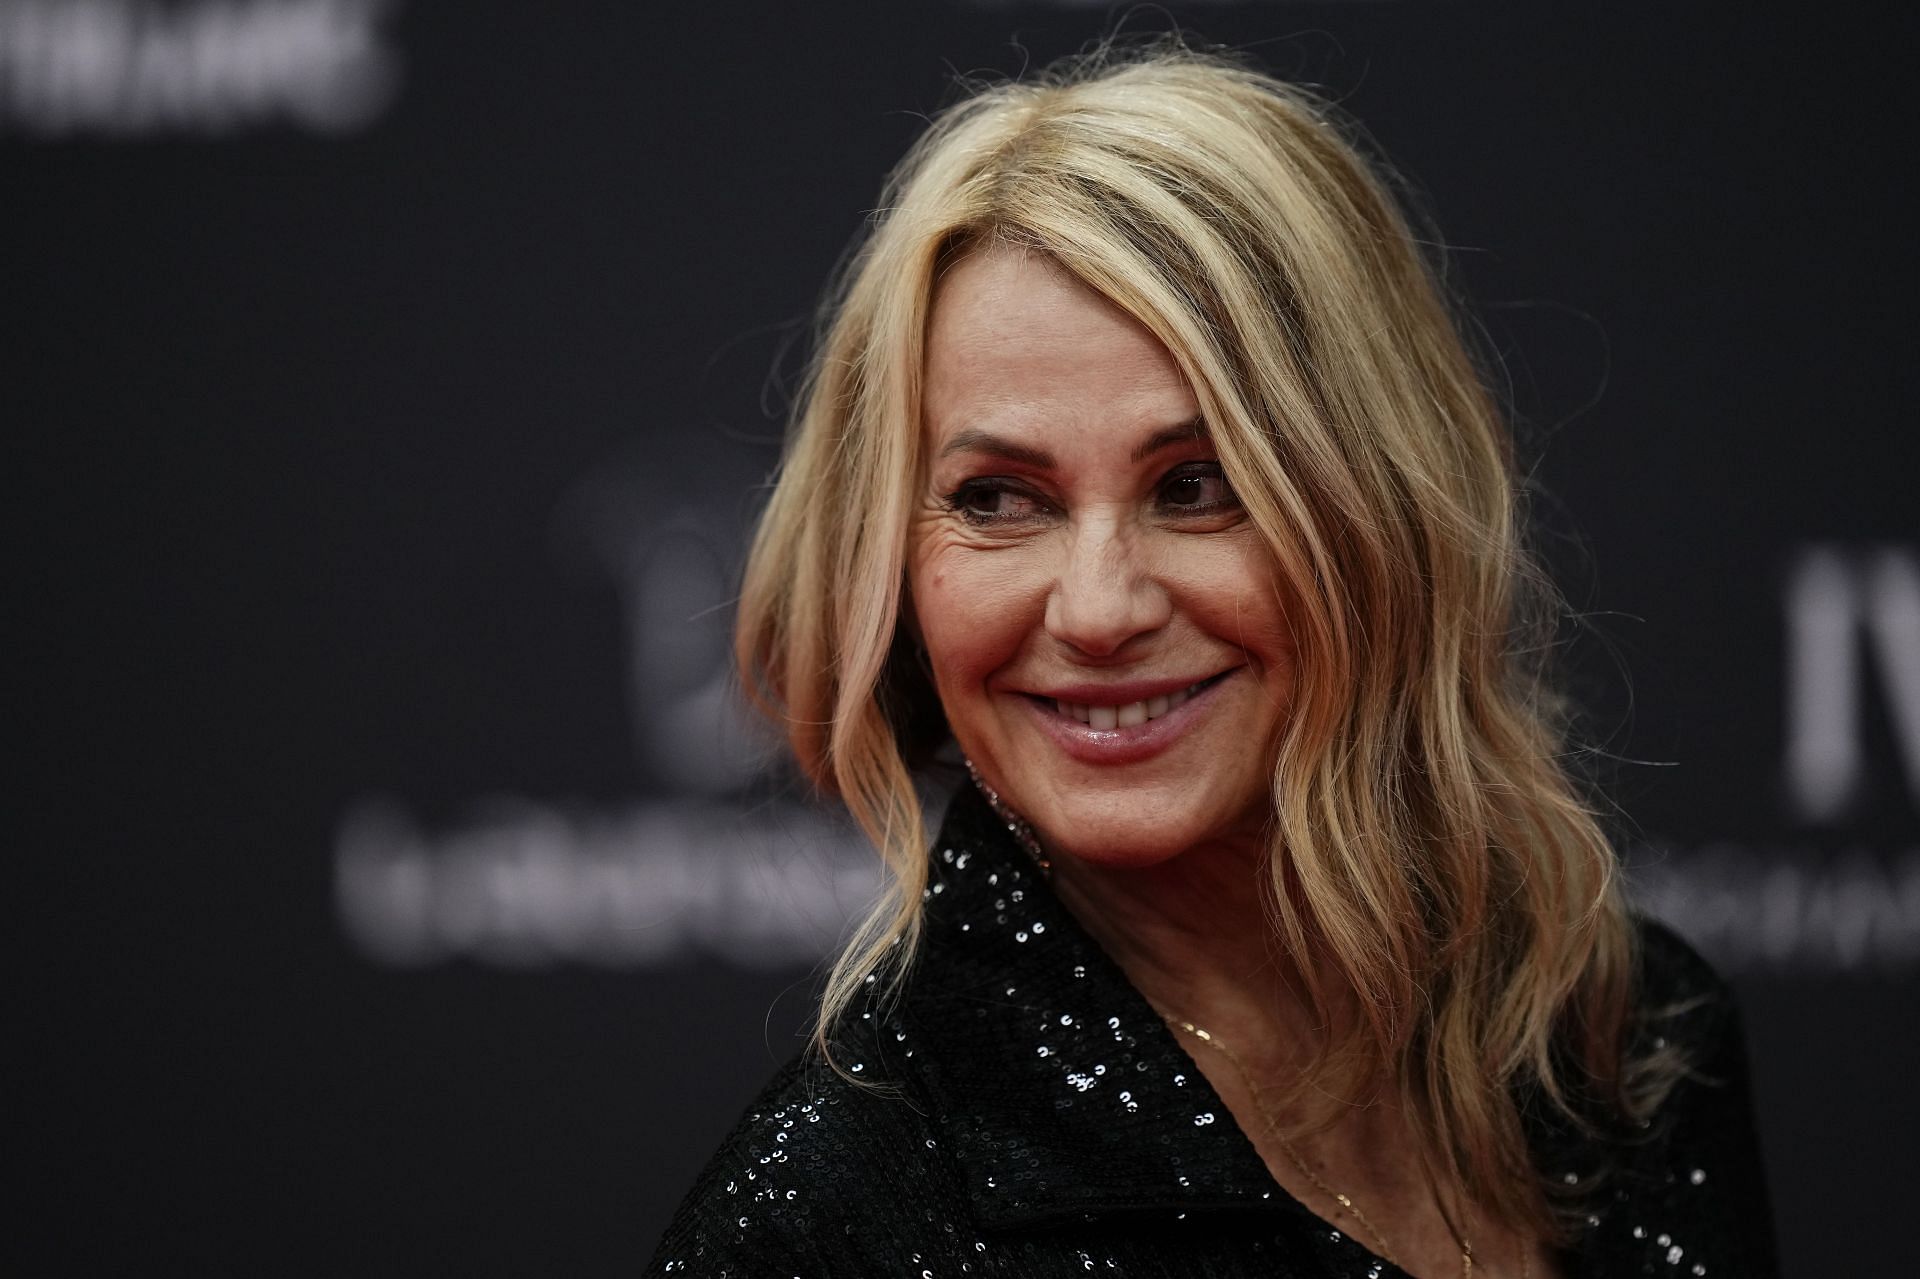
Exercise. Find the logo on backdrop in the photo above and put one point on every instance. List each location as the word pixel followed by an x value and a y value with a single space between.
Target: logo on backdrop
pixel 696 872
pixel 529 885
pixel 211 68
pixel 1850 618
pixel 676 574
pixel 1836 900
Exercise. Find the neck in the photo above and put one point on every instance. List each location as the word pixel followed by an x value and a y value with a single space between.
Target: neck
pixel 1194 935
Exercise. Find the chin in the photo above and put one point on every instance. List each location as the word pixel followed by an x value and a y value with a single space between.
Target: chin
pixel 1144 821
pixel 1130 832
pixel 1114 854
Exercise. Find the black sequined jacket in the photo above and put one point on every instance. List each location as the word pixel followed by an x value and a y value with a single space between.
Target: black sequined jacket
pixel 1042 1120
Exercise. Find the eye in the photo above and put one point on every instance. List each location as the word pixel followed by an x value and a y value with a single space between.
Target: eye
pixel 1196 487
pixel 994 501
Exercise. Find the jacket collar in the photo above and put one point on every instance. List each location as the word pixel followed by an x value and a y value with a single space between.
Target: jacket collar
pixel 1061 1091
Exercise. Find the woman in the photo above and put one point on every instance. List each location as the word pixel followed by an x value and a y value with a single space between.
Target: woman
pixel 1142 460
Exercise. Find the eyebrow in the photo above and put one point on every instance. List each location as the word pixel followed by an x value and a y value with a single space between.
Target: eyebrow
pixel 1185 432
pixel 975 440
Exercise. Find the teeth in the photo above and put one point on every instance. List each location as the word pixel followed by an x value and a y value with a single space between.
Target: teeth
pixel 1128 716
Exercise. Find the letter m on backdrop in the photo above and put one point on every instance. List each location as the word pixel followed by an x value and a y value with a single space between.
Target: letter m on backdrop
pixel 1845 609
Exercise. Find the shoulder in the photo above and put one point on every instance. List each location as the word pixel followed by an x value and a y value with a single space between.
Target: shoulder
pixel 1688 1028
pixel 814 1167
pixel 1670 967
pixel 1695 1186
pixel 1684 1005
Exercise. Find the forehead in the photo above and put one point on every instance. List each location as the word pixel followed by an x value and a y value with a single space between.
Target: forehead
pixel 1016 342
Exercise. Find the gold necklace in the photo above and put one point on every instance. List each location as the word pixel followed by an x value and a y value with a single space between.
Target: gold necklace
pixel 1346 1203
pixel 1023 834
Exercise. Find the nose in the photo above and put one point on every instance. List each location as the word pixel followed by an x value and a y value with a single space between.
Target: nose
pixel 1106 593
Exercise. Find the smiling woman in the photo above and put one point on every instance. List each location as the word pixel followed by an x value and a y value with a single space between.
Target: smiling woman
pixel 1142 460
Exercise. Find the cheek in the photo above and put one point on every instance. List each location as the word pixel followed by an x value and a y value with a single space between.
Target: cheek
pixel 972 610
pixel 1232 589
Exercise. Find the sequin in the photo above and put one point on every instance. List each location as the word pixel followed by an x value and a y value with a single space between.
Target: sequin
pixel 1017 1021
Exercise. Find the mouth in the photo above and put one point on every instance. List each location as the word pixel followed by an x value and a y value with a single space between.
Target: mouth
pixel 1105 716
pixel 1091 725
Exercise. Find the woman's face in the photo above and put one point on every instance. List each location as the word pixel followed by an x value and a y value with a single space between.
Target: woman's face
pixel 1102 620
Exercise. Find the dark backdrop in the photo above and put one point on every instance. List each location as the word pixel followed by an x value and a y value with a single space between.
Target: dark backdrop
pixel 386 386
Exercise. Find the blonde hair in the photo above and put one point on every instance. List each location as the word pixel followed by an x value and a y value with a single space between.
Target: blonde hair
pixel 1427 840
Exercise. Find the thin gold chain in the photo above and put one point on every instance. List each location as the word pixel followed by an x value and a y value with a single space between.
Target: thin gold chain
pixel 1023 834
pixel 1384 1248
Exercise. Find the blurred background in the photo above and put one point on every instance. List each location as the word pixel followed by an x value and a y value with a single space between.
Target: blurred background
pixel 388 385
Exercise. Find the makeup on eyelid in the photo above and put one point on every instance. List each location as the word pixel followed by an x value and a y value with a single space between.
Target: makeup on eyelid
pixel 1185 476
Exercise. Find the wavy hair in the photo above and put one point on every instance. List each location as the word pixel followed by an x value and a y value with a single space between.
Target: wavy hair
pixel 1427 838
